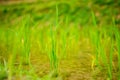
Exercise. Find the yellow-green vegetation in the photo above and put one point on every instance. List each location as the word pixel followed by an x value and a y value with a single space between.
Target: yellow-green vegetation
pixel 59 40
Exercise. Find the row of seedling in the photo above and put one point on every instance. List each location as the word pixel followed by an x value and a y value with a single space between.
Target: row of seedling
pixel 17 46
pixel 105 42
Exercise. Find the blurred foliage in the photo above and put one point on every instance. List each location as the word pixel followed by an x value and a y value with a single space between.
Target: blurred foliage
pixel 107 2
pixel 75 10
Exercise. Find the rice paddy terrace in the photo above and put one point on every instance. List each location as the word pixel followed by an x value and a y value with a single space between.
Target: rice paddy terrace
pixel 60 40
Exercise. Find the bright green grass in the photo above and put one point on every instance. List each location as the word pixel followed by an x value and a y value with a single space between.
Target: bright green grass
pixel 66 43
pixel 59 41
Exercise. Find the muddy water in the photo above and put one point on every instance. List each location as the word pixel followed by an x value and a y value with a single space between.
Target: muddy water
pixel 77 67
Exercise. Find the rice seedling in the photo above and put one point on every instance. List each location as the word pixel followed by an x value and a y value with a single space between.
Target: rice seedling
pixel 53 48
pixel 19 48
pixel 64 35
pixel 12 37
pixel 100 42
pixel 53 54
pixel 117 36
pixel 103 54
pixel 94 36
pixel 111 58
pixel 24 35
